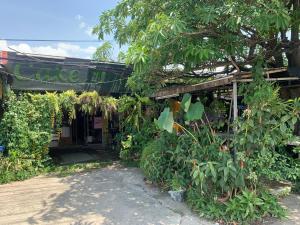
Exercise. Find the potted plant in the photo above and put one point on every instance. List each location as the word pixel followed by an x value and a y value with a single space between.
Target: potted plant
pixel 177 189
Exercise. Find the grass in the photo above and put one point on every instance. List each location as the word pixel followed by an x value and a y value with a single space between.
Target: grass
pixel 130 163
pixel 11 174
pixel 67 170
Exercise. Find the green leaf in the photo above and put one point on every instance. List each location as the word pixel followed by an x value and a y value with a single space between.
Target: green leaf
pixel 165 120
pixel 226 172
pixel 212 170
pixel 294 120
pixel 186 102
pixel 283 128
pixel 195 112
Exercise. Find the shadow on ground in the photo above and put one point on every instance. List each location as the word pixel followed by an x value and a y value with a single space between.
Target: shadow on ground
pixel 82 154
pixel 114 195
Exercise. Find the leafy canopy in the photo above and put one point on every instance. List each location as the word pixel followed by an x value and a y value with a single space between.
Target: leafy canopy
pixel 199 34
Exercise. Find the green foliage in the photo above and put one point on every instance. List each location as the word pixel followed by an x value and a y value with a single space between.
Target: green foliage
pixel 67 170
pixel 284 168
pixel 28 122
pixel 226 185
pixel 249 206
pixel 26 129
pixel 195 111
pixel 127 146
pixel 109 105
pixel 190 111
pixel 186 102
pixel 17 169
pixel 267 123
pixel 104 52
pixel 153 161
pixel 221 175
pixel 244 208
pixel 89 102
pixel 132 144
pixel 165 120
pixel 68 100
pixel 132 110
pixel 137 128
pixel 196 34
pixel 177 183
pixel 196 156
pixel 26 125
pixel 205 205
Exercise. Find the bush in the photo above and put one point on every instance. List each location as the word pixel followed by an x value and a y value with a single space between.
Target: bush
pixel 153 161
pixel 156 159
pixel 133 142
pixel 25 131
pixel 246 207
pixel 16 169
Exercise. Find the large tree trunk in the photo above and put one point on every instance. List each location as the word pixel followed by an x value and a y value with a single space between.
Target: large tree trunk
pixel 294 56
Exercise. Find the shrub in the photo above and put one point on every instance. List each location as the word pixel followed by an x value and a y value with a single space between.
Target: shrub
pixel 250 206
pixel 246 207
pixel 133 142
pixel 25 131
pixel 15 169
pixel 153 161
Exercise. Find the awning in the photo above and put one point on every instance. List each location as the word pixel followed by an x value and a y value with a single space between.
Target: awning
pixel 46 73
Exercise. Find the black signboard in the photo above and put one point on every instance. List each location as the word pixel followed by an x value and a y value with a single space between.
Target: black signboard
pixel 34 72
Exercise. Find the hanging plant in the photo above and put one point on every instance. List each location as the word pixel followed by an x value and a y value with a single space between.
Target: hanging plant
pixel 131 107
pixel 108 106
pixel 68 101
pixel 89 102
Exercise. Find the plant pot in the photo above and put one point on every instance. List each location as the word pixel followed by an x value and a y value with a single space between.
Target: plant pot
pixel 177 196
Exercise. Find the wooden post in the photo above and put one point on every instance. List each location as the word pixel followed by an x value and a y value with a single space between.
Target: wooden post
pixel 234 93
pixel 235 112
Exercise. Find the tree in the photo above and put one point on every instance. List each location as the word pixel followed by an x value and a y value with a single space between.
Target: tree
pixel 104 52
pixel 202 35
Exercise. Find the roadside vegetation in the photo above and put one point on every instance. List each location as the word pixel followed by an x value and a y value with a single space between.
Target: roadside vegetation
pixel 178 147
pixel 28 123
pixel 224 179
pixel 179 42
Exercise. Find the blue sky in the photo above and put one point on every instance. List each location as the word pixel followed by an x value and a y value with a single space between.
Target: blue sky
pixel 64 19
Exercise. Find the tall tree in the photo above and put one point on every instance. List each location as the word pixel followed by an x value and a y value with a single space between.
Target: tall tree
pixel 201 35
pixel 103 52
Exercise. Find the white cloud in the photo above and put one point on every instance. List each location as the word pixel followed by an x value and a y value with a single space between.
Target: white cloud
pixel 60 49
pixel 79 17
pixel 82 25
pixel 90 50
pixel 69 47
pixel 89 31
pixel 85 27
pixel 49 50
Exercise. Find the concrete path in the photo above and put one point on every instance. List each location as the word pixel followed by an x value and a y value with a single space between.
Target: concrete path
pixel 112 195
pixel 109 196
pixel 292 204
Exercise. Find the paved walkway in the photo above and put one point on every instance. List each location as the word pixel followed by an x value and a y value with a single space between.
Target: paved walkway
pixel 110 196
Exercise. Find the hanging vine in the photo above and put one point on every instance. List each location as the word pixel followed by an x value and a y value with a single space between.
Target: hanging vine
pixel 109 105
pixel 68 101
pixel 89 102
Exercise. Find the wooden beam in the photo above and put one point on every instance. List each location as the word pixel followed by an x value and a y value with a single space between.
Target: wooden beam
pixel 194 88
pixel 208 85
pixel 270 79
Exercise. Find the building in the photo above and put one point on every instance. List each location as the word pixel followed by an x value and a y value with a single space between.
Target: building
pixel 40 73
